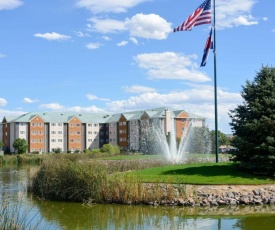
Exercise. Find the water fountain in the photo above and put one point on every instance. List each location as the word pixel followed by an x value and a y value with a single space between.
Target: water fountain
pixel 194 140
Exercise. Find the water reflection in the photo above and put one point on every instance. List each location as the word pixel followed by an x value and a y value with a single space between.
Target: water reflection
pixel 60 215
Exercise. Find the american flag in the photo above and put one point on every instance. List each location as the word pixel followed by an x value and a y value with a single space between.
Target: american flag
pixel 202 15
pixel 208 46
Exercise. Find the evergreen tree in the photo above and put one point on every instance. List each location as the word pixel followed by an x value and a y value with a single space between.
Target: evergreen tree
pixel 253 124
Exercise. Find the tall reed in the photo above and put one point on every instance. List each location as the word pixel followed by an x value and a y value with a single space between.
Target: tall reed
pixel 13 217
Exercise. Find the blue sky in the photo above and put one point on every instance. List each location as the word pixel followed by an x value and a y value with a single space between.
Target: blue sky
pixel 115 56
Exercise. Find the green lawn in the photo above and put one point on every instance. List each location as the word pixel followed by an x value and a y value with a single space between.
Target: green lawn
pixel 201 173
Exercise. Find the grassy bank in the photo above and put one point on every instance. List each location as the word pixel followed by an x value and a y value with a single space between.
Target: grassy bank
pixel 126 181
pixel 201 173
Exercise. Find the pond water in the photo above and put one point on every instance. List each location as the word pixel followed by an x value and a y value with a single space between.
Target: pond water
pixel 61 215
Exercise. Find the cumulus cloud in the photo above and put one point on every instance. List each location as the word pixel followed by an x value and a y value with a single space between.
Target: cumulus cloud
pixel 52 106
pixel 198 99
pixel 52 36
pixel 134 40
pixel 93 46
pixel 234 13
pixel 92 97
pixel 106 25
pixel 106 38
pixel 104 6
pixel 150 26
pixel 3 102
pixel 59 107
pixel 10 4
pixel 122 43
pixel 28 100
pixel 138 89
pixel 170 65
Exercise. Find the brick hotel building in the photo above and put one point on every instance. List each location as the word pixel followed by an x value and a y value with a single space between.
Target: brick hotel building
pixel 71 131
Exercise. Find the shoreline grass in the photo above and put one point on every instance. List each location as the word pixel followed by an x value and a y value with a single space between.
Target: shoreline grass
pixel 135 181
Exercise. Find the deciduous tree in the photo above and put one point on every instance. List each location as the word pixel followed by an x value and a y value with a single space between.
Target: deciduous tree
pixel 20 144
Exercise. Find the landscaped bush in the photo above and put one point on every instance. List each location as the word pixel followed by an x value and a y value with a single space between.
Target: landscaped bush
pixel 109 148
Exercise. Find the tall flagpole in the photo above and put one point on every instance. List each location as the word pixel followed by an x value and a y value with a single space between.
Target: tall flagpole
pixel 215 87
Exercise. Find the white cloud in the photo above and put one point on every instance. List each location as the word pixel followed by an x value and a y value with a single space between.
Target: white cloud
pixel 273 30
pixel 3 102
pixel 170 65
pixel 265 18
pixel 122 43
pixel 93 46
pixel 2 55
pixel 138 89
pixel 52 36
pixel 10 4
pixel 106 38
pixel 103 6
pixel 234 13
pixel 199 100
pixel 134 40
pixel 106 25
pixel 92 97
pixel 58 107
pixel 81 34
pixel 149 26
pixel 53 106
pixel 4 113
pixel 28 100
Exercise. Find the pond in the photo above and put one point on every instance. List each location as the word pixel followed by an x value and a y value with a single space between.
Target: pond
pixel 64 215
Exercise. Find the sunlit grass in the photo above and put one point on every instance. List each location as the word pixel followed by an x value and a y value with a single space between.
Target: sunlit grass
pixel 201 173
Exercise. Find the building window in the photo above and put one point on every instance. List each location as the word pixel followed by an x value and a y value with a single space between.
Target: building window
pixel 95 132
pixel 71 125
pixel 53 140
pixel 59 132
pixel 40 141
pixel 90 125
pixel 33 132
pixel 33 124
pixel 40 124
pixel 78 140
pixel 59 140
pixel 53 124
pixel 78 133
pixel 21 124
pixel 22 132
pixel 71 140
pixel 90 140
pixel 95 125
pixel 33 140
pixel 60 124
pixel 40 132
pixel 77 125
pixel 53 132
pixel 71 132
pixel 90 132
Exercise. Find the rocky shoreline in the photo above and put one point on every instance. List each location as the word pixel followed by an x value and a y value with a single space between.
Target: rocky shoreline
pixel 214 195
